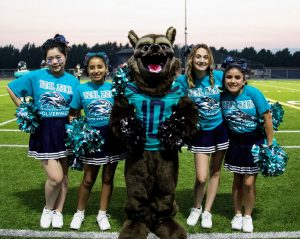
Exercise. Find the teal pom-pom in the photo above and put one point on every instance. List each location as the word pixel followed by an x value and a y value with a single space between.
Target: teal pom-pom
pixel 120 80
pixel 28 117
pixel 271 159
pixel 75 163
pixel 277 115
pixel 82 138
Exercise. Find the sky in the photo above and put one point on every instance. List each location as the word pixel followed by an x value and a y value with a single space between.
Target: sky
pixel 232 24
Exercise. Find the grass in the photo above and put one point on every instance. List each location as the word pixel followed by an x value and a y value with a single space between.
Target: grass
pixel 22 180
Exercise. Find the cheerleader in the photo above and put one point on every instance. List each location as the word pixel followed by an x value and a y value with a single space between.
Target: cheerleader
pixel 95 97
pixel 201 83
pixel 242 107
pixel 52 91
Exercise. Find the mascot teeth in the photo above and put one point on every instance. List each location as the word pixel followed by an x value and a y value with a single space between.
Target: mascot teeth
pixel 154 68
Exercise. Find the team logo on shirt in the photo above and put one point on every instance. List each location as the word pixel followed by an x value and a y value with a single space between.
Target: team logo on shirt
pixel 207 106
pixel 99 107
pixel 239 120
pixel 52 100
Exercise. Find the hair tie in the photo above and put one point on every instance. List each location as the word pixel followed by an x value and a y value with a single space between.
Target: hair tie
pixel 100 54
pixel 229 61
pixel 57 38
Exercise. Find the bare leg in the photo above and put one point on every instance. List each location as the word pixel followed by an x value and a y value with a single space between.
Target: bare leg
pixel 53 185
pixel 89 178
pixel 249 193
pixel 59 204
pixel 108 174
pixel 201 167
pixel 237 192
pixel 213 183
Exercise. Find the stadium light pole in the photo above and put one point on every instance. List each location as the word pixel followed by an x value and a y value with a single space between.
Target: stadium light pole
pixel 185 32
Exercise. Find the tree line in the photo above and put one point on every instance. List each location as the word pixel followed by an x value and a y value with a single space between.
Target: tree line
pixel 32 55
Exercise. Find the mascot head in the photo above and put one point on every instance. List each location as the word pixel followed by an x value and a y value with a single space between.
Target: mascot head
pixel 153 63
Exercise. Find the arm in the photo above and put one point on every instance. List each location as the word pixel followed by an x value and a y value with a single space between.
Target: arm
pixel 269 127
pixel 14 98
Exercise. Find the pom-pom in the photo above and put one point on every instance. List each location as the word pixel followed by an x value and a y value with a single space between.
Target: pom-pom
pixel 75 163
pixel 170 132
pixel 120 80
pixel 133 133
pixel 82 138
pixel 271 160
pixel 28 117
pixel 277 115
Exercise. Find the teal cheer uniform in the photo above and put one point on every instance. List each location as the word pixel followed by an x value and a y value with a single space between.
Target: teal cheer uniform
pixel 52 96
pixel 97 102
pixel 242 113
pixel 212 135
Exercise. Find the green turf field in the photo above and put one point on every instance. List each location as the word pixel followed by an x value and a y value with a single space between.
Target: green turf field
pixel 277 207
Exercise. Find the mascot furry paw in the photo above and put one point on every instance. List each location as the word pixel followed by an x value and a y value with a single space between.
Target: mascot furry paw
pixel 149 95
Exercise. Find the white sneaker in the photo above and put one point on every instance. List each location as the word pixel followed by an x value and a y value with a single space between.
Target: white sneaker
pixel 57 220
pixel 247 224
pixel 77 220
pixel 206 221
pixel 237 222
pixel 46 218
pixel 103 222
pixel 194 216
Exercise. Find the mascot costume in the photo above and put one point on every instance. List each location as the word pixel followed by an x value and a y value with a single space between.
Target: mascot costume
pixel 153 118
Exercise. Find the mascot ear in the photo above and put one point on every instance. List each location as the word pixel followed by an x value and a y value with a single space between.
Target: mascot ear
pixel 171 33
pixel 133 38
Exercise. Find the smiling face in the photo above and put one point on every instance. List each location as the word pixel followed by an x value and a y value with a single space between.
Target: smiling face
pixel 234 81
pixel 201 60
pixel 97 70
pixel 56 61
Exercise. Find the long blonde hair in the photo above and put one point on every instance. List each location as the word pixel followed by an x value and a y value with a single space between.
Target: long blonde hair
pixel 191 77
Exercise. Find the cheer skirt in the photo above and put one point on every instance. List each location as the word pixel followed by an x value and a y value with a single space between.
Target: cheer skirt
pixel 238 157
pixel 48 142
pixel 210 141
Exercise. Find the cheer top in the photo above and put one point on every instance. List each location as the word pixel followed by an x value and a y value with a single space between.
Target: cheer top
pixel 96 100
pixel 152 110
pixel 206 98
pixel 242 112
pixel 52 95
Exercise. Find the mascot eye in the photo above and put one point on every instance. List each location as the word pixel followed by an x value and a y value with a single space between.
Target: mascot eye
pixel 163 46
pixel 146 47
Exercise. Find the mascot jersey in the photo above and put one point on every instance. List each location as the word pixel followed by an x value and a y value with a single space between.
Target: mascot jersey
pixel 96 100
pixel 206 98
pixel 153 110
pixel 51 94
pixel 242 112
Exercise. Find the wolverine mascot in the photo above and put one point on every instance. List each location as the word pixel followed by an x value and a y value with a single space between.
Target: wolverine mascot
pixel 153 118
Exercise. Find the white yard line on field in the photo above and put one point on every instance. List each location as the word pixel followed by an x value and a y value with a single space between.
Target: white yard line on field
pixel 4 95
pixel 279 87
pixel 114 235
pixel 288 105
pixel 6 122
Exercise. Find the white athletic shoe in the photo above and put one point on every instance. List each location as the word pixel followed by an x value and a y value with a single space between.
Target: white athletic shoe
pixel 77 220
pixel 206 221
pixel 103 222
pixel 57 220
pixel 237 222
pixel 194 216
pixel 46 218
pixel 247 224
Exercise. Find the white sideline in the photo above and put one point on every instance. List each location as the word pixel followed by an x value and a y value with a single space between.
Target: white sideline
pixel 114 235
pixel 6 122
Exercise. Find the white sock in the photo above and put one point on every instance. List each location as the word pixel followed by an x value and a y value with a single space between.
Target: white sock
pixel 100 212
pixel 81 212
